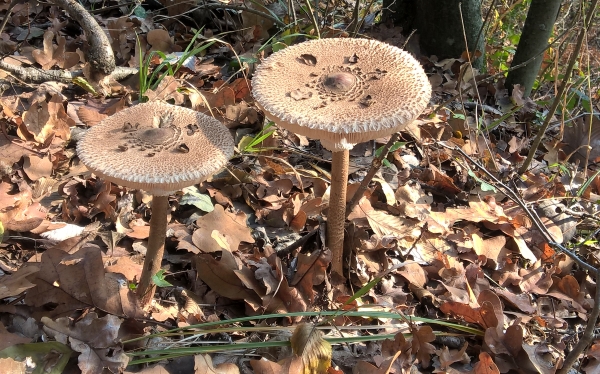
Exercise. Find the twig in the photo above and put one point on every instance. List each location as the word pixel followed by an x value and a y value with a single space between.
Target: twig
pixel 561 90
pixel 298 243
pixel 375 165
pixel 530 213
pixel 7 15
pixel 588 333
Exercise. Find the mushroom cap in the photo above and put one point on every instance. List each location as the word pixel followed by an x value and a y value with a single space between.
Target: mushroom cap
pixel 157 147
pixel 342 91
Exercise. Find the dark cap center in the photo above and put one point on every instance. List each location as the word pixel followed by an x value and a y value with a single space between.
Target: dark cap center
pixel 339 82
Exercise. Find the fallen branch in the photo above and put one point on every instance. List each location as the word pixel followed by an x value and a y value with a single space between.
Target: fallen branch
pixel 35 75
pixel 99 53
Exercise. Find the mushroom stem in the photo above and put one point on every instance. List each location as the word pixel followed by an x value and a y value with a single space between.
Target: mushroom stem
pixel 156 248
pixel 336 217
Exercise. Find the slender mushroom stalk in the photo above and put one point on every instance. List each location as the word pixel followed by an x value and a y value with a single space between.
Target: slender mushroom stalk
pixel 343 92
pixel 159 148
pixel 337 208
pixel 156 247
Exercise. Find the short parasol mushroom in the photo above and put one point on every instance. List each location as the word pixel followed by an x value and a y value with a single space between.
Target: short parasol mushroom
pixel 159 148
pixel 343 92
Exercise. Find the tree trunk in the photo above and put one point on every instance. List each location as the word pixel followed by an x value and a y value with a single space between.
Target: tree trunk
pixel 439 25
pixel 534 40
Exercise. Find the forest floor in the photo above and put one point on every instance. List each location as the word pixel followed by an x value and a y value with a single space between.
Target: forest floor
pixel 448 271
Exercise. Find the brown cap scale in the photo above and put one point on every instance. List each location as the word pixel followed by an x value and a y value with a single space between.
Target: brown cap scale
pixel 159 148
pixel 341 91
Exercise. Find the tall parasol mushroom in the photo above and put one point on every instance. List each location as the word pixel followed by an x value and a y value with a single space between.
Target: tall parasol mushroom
pixel 159 148
pixel 343 92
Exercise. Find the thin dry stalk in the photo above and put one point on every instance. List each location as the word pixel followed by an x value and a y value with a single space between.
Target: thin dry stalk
pixel 375 166
pixel 586 339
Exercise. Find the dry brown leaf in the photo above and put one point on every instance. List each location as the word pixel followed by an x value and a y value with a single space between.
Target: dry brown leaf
pixel 232 226
pixel 450 356
pixel 52 55
pixel 485 365
pixel 46 119
pixel 11 151
pixel 90 116
pixel 383 223
pixel 17 211
pixel 13 366
pixel 8 339
pixel 160 40
pixel 484 316
pixel 95 338
pixel 414 273
pixel 166 90
pixel 77 281
pixel 505 342
pixel 311 271
pixel 203 365
pixel 421 346
pixel 14 284
pixel 537 279
pixel 127 267
pixel 221 277
pixel 593 357
pixel 139 232
pixel 37 167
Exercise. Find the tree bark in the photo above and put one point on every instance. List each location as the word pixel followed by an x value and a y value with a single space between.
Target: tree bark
pixel 534 39
pixel 439 24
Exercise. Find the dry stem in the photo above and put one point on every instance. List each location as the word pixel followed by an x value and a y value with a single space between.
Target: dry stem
pixel 375 166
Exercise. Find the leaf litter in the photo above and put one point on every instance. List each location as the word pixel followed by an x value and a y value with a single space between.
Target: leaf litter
pixel 439 239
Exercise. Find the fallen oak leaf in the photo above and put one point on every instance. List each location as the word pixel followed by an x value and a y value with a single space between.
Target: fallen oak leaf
pixel 421 346
pixel 52 55
pixel 232 226
pixel 485 365
pixel 46 119
pixel 220 276
pixel 95 338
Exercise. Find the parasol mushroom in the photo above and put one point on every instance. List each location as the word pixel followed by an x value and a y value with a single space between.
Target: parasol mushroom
pixel 159 148
pixel 343 92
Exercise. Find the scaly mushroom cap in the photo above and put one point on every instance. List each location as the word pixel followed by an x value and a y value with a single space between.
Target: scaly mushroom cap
pixel 341 91
pixel 157 147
